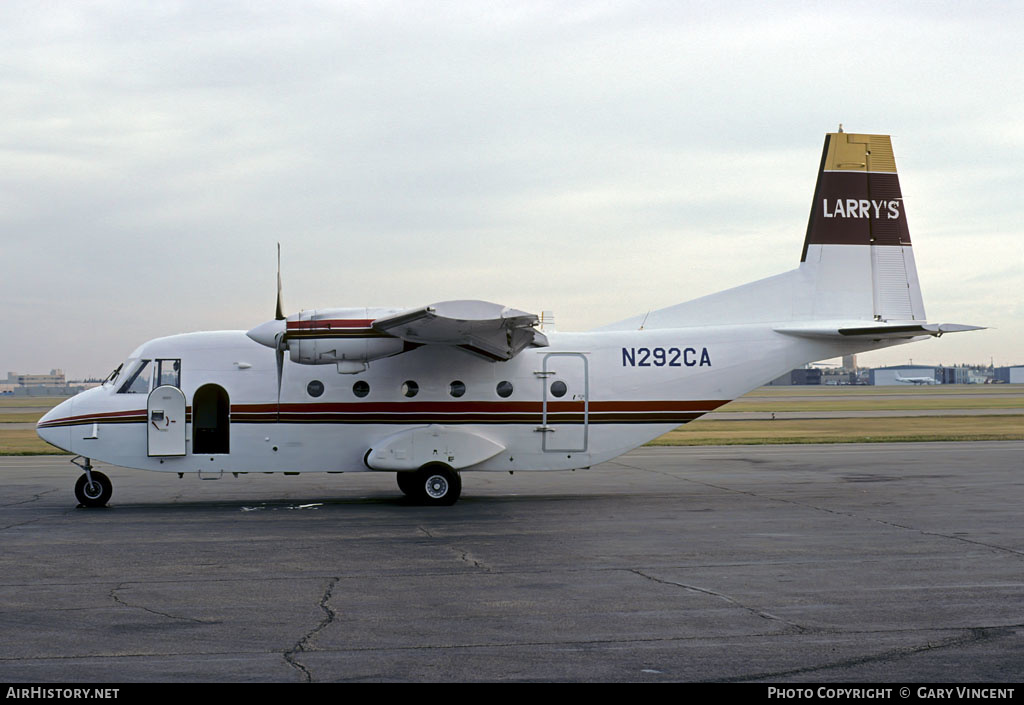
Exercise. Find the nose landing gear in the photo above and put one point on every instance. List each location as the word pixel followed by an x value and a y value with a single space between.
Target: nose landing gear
pixel 93 489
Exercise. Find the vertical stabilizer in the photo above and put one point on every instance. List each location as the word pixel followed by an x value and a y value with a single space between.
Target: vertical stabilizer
pixel 857 221
pixel 857 263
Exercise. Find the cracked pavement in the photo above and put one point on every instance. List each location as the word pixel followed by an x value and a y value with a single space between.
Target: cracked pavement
pixel 877 562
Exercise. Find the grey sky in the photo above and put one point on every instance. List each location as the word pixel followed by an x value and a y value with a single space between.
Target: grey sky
pixel 598 159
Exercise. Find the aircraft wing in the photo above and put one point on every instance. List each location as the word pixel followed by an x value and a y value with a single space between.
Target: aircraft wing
pixel 494 331
pixel 873 331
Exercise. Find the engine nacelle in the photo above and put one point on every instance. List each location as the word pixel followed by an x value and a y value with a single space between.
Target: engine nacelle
pixel 328 351
pixel 342 337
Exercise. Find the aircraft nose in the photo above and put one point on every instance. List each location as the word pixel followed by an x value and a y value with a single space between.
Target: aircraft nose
pixel 53 427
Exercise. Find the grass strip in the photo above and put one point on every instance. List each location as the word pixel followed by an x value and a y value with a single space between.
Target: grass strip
pixel 24 441
pixel 867 404
pixel 13 402
pixel 848 430
pixel 30 417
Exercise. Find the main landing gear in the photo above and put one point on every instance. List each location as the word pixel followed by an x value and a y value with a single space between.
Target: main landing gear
pixel 433 484
pixel 93 489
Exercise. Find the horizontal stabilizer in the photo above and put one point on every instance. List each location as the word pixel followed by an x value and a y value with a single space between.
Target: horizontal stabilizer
pixel 855 330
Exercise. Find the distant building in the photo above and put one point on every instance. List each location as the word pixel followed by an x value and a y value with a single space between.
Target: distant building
pixel 811 375
pixel 887 376
pixel 54 379
pixel 838 376
pixel 1010 375
pixel 51 385
pixel 955 375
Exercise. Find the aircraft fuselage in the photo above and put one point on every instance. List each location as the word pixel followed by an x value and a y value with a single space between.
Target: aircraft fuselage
pixel 585 398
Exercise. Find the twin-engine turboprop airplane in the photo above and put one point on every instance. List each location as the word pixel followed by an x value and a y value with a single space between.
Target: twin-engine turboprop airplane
pixel 915 380
pixel 430 392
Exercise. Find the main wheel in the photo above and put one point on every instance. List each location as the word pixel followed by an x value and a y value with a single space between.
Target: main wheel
pixel 407 483
pixel 438 485
pixel 96 493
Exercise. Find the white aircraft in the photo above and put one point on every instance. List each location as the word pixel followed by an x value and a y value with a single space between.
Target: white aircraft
pixel 916 380
pixel 455 386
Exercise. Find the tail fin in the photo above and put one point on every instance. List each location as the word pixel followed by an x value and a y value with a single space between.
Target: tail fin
pixel 857 263
pixel 858 209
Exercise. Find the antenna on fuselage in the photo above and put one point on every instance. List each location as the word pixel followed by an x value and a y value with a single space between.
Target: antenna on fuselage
pixel 644 322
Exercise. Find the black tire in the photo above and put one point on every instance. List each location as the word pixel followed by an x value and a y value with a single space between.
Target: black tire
pixel 438 485
pixel 96 494
pixel 407 483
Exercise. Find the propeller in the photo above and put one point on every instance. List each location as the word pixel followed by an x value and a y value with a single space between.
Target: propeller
pixel 274 334
pixel 279 339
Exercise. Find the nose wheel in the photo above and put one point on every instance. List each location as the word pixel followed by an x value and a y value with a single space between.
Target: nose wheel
pixel 94 493
pixel 93 488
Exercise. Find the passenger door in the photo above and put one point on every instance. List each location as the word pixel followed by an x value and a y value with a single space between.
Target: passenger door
pixel 566 403
pixel 165 421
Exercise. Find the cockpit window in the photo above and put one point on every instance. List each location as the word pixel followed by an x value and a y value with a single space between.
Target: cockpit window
pixel 137 381
pixel 168 372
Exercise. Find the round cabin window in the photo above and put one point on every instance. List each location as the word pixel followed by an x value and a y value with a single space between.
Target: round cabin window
pixel 410 388
pixel 558 388
pixel 360 389
pixel 504 388
pixel 315 388
pixel 457 388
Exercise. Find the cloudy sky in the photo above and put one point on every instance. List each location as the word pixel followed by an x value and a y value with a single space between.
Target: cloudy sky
pixel 597 159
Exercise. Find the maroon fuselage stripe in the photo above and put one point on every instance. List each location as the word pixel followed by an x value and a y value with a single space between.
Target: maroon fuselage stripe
pixel 468 412
pixel 134 416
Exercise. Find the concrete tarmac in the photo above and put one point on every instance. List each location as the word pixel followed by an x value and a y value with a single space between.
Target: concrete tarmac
pixel 826 563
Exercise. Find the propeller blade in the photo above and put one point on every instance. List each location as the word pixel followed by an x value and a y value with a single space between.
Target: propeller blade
pixel 279 351
pixel 279 313
pixel 280 342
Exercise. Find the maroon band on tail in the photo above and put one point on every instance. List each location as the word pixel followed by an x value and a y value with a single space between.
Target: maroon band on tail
pixel 855 206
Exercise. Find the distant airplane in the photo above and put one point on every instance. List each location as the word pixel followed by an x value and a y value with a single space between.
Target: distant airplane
pixel 431 391
pixel 916 380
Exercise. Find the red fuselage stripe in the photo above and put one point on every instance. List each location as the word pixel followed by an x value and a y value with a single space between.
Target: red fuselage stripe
pixel 430 412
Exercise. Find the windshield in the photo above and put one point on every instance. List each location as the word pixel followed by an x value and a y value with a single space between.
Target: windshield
pixel 137 381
